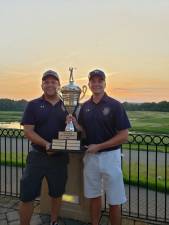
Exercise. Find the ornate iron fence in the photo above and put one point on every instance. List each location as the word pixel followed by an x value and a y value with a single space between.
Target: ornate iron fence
pixel 145 168
pixel 146 174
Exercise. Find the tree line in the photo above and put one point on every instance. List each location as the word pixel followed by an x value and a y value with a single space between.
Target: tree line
pixel 12 105
pixel 162 106
pixel 19 105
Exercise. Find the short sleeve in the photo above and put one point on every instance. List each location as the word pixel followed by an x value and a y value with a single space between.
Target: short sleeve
pixel 80 117
pixel 121 119
pixel 29 115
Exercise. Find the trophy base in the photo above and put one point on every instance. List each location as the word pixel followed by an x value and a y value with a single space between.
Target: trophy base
pixel 67 140
pixel 58 144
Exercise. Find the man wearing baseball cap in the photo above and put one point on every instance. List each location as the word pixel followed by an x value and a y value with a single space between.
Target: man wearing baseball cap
pixel 105 123
pixel 50 73
pixel 43 118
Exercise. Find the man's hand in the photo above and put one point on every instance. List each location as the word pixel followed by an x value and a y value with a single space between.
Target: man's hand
pixel 70 118
pixel 49 150
pixel 93 148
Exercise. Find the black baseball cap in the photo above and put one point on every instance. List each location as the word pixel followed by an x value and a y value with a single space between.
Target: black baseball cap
pixel 98 73
pixel 50 73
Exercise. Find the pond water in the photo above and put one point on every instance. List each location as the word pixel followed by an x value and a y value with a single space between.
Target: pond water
pixel 12 125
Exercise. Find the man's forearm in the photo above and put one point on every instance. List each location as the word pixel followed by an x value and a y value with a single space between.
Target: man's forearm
pixel 35 138
pixel 118 139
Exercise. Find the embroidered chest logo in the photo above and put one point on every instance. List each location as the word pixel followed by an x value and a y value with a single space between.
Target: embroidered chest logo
pixel 87 110
pixel 42 106
pixel 106 111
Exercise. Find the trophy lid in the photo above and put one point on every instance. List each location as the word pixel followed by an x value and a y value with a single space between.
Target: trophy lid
pixel 71 87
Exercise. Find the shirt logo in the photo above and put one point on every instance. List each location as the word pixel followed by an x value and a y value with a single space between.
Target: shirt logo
pixel 42 106
pixel 87 110
pixel 106 111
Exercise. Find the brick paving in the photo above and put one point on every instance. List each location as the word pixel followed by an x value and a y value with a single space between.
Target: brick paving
pixel 9 214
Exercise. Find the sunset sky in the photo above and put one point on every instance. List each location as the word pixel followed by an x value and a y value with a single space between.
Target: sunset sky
pixel 128 39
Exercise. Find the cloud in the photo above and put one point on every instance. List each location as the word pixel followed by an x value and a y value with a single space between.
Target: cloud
pixel 140 90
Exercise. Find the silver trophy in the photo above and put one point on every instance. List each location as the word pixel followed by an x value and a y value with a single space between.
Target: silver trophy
pixel 70 95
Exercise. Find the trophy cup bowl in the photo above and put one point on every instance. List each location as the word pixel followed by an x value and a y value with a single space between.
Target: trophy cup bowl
pixel 70 95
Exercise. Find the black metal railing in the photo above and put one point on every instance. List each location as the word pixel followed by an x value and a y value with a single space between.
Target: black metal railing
pixel 146 174
pixel 145 163
pixel 14 148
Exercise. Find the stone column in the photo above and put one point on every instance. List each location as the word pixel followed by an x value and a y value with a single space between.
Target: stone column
pixel 78 207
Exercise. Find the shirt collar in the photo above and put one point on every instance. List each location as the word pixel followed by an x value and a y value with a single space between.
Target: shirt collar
pixel 42 98
pixel 103 99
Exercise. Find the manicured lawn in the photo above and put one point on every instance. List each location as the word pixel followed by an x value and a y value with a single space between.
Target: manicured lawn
pixel 10 116
pixel 142 121
pixel 152 181
pixel 13 159
pixel 150 122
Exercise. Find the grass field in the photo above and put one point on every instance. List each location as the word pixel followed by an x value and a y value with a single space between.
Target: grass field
pixel 10 116
pixel 150 122
pixel 151 180
pixel 141 121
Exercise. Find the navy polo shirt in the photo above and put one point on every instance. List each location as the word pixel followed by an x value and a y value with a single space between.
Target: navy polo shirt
pixel 103 120
pixel 47 119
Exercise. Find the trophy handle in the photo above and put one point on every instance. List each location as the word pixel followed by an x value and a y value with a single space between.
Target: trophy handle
pixel 84 89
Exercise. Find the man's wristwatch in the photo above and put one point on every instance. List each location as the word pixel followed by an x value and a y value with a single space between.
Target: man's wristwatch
pixel 48 146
